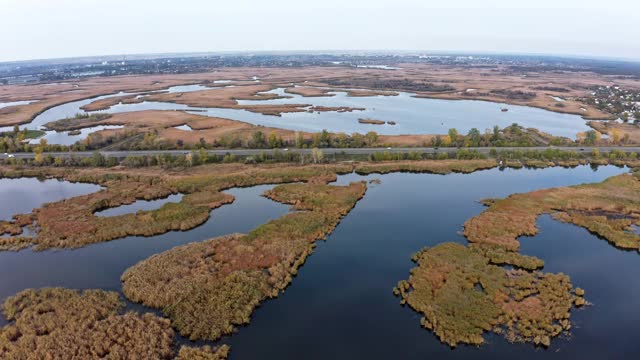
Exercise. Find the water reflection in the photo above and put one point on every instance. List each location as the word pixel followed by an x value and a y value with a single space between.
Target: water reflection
pixel 340 306
pixel 20 196
pixel 412 115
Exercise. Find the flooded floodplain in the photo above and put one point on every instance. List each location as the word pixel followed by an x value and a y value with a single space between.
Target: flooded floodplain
pixel 407 113
pixel 341 304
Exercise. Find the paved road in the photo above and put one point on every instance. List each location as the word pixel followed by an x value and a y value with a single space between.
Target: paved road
pixel 327 151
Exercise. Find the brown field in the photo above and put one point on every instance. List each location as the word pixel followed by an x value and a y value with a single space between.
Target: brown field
pixel 483 80
pixel 227 98
pixel 105 104
pixel 164 122
pixel 367 93
pixel 308 91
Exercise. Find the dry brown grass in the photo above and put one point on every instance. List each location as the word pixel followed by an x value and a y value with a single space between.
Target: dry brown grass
pixel 309 91
pixel 208 288
pixel 104 104
pixel 426 166
pixel 368 93
pixel 59 323
pixel 227 98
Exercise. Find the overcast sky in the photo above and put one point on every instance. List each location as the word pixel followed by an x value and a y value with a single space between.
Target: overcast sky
pixel 35 29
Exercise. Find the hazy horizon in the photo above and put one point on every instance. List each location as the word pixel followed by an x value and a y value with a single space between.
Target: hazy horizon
pixel 44 29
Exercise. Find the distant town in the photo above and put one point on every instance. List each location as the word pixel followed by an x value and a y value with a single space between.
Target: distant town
pixel 34 71
pixel 616 100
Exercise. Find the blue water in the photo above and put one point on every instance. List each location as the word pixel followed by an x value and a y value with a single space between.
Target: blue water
pixel 20 196
pixel 412 115
pixel 341 306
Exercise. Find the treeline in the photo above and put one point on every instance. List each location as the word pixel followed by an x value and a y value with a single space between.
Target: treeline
pixel 201 157
pixel 18 140
pixel 189 159
pixel 511 136
pixel 514 94
pixel 552 88
pixel 132 139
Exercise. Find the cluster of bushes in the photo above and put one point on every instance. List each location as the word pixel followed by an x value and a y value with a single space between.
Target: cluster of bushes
pixel 547 154
pixel 78 121
pixel 511 136
pixel 514 94
pixel 17 140
pixel 614 155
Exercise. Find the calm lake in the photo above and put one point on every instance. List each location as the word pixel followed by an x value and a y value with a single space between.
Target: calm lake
pixel 20 196
pixel 412 115
pixel 341 306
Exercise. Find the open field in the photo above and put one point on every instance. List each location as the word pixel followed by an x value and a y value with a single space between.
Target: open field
pixel 162 124
pixel 104 104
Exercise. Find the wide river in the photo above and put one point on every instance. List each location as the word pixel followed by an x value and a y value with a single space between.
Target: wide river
pixel 412 115
pixel 341 306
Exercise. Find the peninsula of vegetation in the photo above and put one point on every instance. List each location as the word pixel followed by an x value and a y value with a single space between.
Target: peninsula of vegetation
pixel 208 288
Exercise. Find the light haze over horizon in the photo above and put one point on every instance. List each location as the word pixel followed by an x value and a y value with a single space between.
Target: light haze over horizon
pixel 45 29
